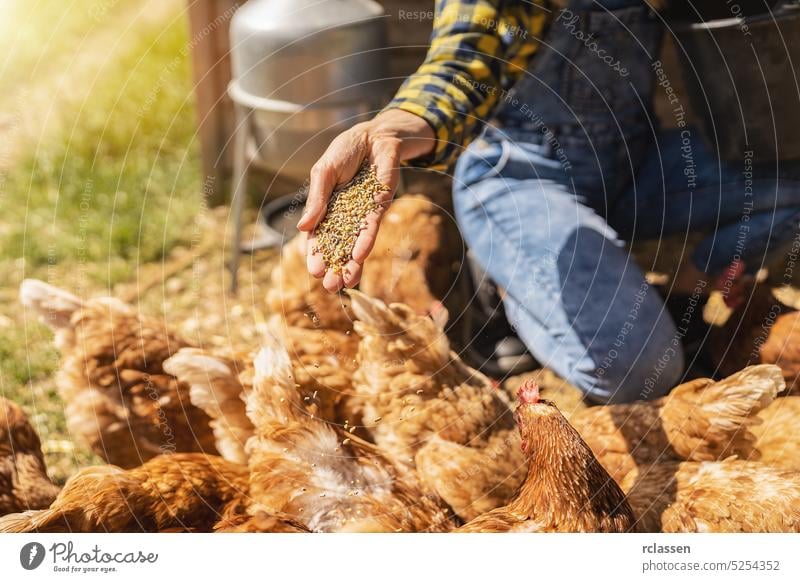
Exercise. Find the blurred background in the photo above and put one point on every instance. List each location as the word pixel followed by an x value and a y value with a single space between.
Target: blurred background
pixel 99 168
pixel 115 163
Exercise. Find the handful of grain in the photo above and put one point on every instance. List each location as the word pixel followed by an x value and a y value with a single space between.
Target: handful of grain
pixel 348 209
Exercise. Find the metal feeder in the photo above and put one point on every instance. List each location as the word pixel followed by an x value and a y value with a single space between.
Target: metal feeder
pixel 303 72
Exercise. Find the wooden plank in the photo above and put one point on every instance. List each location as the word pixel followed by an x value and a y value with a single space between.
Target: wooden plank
pixel 209 21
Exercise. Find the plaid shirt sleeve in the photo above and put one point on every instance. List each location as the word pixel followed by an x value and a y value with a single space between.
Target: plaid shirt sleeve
pixel 479 48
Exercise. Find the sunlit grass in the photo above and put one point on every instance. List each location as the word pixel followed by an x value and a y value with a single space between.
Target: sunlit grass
pixel 119 182
pixel 34 34
pixel 112 182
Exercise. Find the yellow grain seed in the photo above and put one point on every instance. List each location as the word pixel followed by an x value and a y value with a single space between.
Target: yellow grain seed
pixel 346 216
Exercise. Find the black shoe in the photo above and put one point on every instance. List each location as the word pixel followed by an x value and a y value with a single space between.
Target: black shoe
pixel 491 345
pixel 687 314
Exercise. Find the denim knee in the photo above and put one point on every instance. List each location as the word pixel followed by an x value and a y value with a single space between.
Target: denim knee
pixel 651 375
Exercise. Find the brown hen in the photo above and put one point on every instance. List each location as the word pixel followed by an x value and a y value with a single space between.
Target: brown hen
pixel 427 410
pixel 184 491
pixel 724 496
pixel 117 397
pixel 24 483
pixel 566 488
pixel 701 420
pixel 320 474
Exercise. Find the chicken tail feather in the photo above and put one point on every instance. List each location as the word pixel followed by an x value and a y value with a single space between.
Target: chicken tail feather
pixel 216 390
pixel 371 311
pixel 722 412
pixel 20 522
pixel 274 395
pixel 53 305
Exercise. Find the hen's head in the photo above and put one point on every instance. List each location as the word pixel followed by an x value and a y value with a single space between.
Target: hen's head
pixel 565 480
pixel 538 420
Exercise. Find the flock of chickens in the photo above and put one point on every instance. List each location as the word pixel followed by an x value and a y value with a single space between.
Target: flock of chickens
pixel 356 415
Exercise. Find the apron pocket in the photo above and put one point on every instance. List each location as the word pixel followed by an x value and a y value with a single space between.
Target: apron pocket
pixel 483 159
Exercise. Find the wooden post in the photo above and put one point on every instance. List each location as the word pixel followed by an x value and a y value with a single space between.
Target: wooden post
pixel 209 21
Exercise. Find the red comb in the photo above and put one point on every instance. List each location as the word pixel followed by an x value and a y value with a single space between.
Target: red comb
pixel 729 283
pixel 528 392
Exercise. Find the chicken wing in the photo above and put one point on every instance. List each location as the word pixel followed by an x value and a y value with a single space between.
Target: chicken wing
pixel 184 491
pixel 24 483
pixel 117 396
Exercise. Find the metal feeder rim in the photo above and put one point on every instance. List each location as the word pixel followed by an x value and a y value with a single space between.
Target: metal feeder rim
pixel 255 102
pixel 738 21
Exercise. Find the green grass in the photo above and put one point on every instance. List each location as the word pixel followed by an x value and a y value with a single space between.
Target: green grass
pixel 113 182
pixel 119 183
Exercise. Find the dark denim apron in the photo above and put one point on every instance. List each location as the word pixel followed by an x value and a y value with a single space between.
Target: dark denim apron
pixel 587 95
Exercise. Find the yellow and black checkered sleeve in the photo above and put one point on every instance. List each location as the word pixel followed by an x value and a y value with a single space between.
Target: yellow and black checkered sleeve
pixel 479 48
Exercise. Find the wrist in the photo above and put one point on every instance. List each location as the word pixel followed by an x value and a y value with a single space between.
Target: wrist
pixel 415 136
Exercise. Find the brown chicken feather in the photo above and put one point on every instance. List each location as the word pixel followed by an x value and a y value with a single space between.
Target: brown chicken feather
pixel 566 488
pixel 237 520
pixel 700 420
pixel 117 396
pixel 187 491
pixel 723 496
pixel 414 255
pixel 261 523
pixel 410 387
pixel 300 299
pixel 777 437
pixel 324 362
pixel 24 483
pixel 472 480
pixel 319 473
pixel 216 388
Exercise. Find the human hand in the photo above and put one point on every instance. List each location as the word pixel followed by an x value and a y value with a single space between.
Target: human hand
pixel 387 140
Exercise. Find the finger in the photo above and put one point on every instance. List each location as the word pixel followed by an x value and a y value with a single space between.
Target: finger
pixel 384 157
pixel 314 261
pixel 366 238
pixel 352 274
pixel 323 180
pixel 332 281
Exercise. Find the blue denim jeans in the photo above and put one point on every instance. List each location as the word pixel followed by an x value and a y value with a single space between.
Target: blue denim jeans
pixel 548 214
